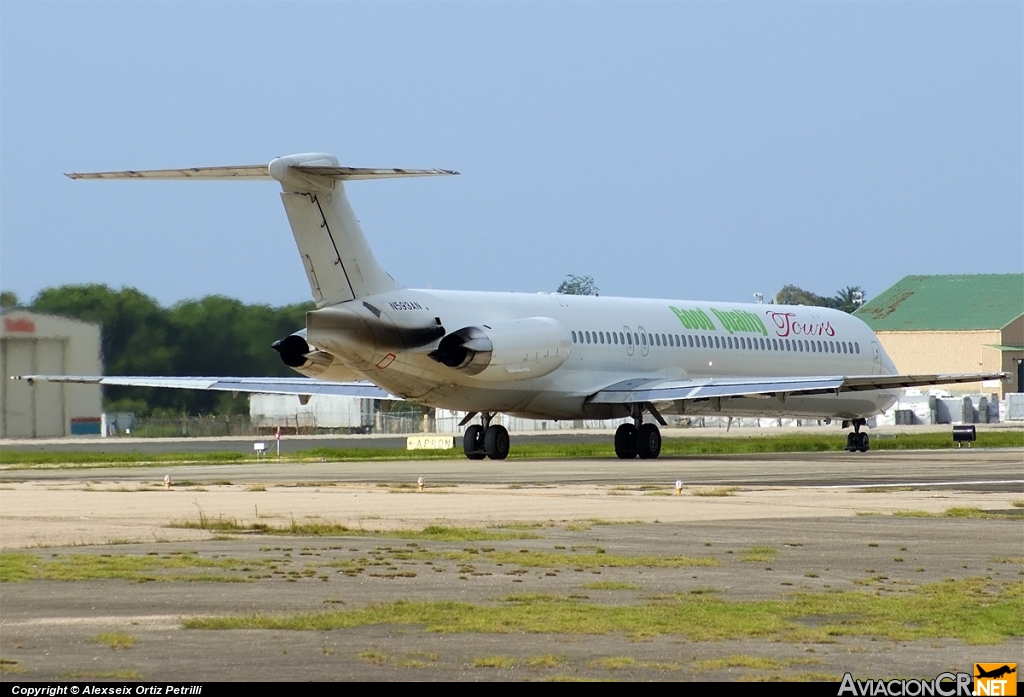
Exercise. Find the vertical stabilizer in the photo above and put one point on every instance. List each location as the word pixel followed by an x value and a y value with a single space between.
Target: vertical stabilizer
pixel 338 262
pixel 334 251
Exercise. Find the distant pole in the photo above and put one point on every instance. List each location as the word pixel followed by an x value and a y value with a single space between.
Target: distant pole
pixel 277 437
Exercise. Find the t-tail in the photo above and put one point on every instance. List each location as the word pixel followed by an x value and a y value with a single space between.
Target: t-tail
pixel 334 251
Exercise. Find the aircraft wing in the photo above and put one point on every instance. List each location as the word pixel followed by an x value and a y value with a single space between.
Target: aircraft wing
pixel 304 387
pixel 647 390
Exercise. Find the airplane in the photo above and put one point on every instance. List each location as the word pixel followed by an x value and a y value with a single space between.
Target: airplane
pixel 544 355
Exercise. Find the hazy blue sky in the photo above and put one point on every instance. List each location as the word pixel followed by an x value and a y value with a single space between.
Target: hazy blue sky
pixel 682 150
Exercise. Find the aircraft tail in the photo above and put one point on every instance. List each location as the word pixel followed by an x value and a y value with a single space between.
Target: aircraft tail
pixel 334 251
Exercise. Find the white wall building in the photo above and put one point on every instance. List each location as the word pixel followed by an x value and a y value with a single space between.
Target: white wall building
pixel 32 343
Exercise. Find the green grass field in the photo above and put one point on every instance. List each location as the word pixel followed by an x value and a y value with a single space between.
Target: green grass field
pixel 696 445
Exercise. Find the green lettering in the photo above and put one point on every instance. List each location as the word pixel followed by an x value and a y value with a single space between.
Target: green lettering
pixel 725 319
pixel 683 317
pixel 704 321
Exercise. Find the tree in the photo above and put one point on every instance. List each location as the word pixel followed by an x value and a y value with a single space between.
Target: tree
pixel 849 299
pixel 8 299
pixel 212 336
pixel 844 299
pixel 578 285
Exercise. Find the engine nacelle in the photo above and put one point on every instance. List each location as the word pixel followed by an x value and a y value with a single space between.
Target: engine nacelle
pixel 306 360
pixel 517 349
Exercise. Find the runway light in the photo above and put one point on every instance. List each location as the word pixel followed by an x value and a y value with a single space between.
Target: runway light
pixel 679 487
pixel 167 482
pixel 419 483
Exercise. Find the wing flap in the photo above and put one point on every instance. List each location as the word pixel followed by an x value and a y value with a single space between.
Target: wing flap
pixel 296 386
pixel 639 390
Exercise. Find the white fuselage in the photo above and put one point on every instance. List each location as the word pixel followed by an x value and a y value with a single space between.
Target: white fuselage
pixel 616 339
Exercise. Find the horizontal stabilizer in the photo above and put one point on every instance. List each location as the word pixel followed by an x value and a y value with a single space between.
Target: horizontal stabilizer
pixel 238 172
pixel 297 386
pixel 254 172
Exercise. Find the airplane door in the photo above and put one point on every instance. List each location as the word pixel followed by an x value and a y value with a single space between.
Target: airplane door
pixel 876 359
pixel 644 348
pixel 629 340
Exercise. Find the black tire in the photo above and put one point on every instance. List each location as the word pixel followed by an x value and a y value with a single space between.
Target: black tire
pixel 864 443
pixel 851 441
pixel 648 442
pixel 625 442
pixel 496 442
pixel 473 441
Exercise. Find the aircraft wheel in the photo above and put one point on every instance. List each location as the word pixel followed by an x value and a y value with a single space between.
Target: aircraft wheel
pixel 473 442
pixel 625 442
pixel 496 442
pixel 648 442
pixel 864 444
pixel 851 441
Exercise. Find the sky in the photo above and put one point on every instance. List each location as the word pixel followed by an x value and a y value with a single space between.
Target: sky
pixel 683 150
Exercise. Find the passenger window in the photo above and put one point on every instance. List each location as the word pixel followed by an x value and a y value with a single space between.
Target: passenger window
pixel 615 338
pixel 856 345
pixel 601 335
pixel 704 341
pixel 643 339
pixel 574 337
pixel 636 338
pixel 622 339
pixel 657 340
pixel 689 340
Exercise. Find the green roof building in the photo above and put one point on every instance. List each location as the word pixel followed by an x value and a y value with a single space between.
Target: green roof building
pixel 953 324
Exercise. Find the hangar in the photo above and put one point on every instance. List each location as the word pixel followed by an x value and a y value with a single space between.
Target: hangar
pixel 45 344
pixel 953 324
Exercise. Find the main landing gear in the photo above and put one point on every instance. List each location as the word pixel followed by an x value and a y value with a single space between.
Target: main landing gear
pixel 857 441
pixel 486 441
pixel 638 439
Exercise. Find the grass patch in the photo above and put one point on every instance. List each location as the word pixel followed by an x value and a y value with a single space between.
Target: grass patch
pixel 611 586
pixel 9 667
pixel 759 554
pixel 958 512
pixel 115 640
pixel 503 662
pixel 547 660
pixel 716 491
pixel 437 533
pixel 561 560
pixel 24 566
pixel 696 445
pixel 975 611
pixel 377 658
pixel 755 662
pixel 104 675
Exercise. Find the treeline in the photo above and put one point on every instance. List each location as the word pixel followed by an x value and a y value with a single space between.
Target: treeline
pixel 214 336
pixel 846 299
